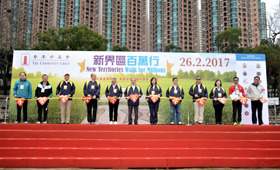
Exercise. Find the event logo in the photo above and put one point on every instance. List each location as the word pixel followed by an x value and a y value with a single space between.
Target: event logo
pixel 244 65
pixel 169 66
pixel 82 65
pixel 245 81
pixel 258 73
pixel 258 65
pixel 25 59
pixel 246 105
pixel 246 113
pixel 244 73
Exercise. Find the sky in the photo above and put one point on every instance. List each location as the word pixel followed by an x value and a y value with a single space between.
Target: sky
pixel 271 5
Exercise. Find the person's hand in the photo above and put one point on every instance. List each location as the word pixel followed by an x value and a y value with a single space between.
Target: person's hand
pixel 235 99
pixel 147 99
pixel 28 100
pixel 47 98
pixel 259 98
pixel 69 95
pixel 196 96
pixel 94 97
pixel 205 98
pixel 180 98
pixel 89 95
pixel 251 98
pixel 57 95
pixel 119 98
pixel 215 99
pixel 158 95
pixel 170 97
pixel 35 97
pixel 15 96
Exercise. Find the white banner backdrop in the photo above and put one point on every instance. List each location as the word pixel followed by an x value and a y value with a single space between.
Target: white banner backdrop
pixel 80 64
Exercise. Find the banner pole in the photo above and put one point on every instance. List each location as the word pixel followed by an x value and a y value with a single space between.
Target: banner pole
pixel 6 105
pixel 188 112
pixel 275 114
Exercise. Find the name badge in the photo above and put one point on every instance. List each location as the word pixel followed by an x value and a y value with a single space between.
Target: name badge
pixel 65 87
pixel 92 87
pixel 115 90
pixel 219 94
pixel 153 92
pixel 175 92
pixel 256 92
pixel 21 87
pixel 200 91
pixel 42 90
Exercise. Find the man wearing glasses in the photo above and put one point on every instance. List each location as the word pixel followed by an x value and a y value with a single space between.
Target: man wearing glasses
pixel 198 91
pixel 235 92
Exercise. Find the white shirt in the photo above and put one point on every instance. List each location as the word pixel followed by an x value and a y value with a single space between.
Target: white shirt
pixel 133 87
pixel 154 87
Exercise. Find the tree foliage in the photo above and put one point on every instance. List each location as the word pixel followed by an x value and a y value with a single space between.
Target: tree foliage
pixel 77 38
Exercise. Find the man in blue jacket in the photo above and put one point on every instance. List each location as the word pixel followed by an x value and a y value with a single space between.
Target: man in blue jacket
pixel 175 91
pixel 92 90
pixel 65 88
pixel 198 91
pixel 22 89
pixel 132 90
pixel 113 90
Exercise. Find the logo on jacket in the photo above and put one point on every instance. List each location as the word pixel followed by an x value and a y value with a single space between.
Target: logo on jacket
pixel 246 113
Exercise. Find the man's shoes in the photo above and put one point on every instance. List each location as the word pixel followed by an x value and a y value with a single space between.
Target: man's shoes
pixel 25 122
pixel 88 122
pixel 62 123
pixel 111 122
pixel 115 122
pixel 235 123
pixel 240 124
pixel 45 122
pixel 179 123
pixel 172 123
pixel 129 123
pixel 38 122
pixel 16 122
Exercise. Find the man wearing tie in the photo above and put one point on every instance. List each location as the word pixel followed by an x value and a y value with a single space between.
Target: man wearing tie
pixel 133 90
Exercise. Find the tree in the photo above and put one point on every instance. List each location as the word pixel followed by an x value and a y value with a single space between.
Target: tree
pixel 228 40
pixel 6 59
pixel 119 48
pixel 80 38
pixel 273 25
pixel 173 48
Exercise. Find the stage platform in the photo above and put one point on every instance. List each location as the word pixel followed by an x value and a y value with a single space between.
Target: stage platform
pixel 138 146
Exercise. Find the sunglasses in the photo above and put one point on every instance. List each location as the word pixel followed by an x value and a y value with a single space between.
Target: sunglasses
pixel 198 79
pixel 235 80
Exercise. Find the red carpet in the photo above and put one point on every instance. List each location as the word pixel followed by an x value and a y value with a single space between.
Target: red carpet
pixel 142 146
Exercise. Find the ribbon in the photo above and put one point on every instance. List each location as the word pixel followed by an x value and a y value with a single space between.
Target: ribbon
pixel 175 100
pixel 154 98
pixel 42 100
pixel 134 97
pixel 86 99
pixel 63 98
pixel 20 101
pixel 112 100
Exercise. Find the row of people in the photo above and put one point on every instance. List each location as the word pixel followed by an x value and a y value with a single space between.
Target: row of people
pixel 91 90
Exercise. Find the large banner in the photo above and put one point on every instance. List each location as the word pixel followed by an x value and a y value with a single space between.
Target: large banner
pixel 143 66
